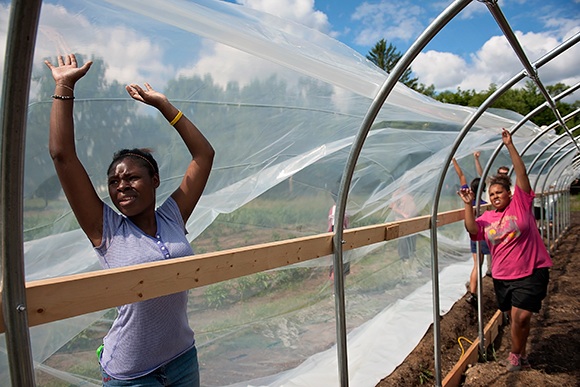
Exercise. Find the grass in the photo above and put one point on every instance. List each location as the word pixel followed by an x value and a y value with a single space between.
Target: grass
pixel 574 202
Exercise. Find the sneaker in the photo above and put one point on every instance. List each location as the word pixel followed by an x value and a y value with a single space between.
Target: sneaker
pixel 514 362
pixel 525 362
pixel 472 299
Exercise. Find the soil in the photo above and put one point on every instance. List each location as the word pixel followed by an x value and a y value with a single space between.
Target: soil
pixel 553 345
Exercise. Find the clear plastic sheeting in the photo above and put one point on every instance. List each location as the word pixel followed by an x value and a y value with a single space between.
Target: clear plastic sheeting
pixel 281 105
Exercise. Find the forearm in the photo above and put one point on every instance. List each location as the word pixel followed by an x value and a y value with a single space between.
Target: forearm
pixel 517 161
pixel 519 168
pixel 198 146
pixel 470 224
pixel 198 170
pixel 61 142
pixel 478 167
pixel 459 172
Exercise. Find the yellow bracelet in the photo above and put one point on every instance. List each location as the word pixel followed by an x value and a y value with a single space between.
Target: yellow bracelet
pixel 177 118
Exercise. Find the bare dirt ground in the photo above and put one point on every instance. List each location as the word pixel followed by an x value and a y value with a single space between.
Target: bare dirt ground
pixel 553 345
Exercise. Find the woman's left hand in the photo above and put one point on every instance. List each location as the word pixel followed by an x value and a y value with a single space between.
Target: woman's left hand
pixel 147 95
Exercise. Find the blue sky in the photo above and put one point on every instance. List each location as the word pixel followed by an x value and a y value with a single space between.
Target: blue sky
pixel 456 57
pixel 469 53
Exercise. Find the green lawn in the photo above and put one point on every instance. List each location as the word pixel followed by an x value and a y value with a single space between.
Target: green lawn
pixel 574 202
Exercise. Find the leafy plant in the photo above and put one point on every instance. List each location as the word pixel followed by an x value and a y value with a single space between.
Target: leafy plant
pixel 215 295
pixel 425 375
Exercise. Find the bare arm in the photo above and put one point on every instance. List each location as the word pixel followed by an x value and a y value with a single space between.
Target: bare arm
pixel 404 205
pixel 202 153
pixel 522 179
pixel 459 172
pixel 477 163
pixel 75 182
pixel 468 196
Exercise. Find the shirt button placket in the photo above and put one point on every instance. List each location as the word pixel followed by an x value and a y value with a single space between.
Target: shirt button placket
pixel 162 247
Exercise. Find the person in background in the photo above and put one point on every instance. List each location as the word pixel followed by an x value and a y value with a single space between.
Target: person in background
pixel 503 170
pixel 520 261
pixel 403 206
pixel 484 249
pixel 150 342
pixel 330 228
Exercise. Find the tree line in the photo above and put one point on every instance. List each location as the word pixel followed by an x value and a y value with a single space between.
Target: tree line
pixel 520 100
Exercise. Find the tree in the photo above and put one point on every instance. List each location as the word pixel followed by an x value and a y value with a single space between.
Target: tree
pixel 520 100
pixel 429 91
pixel 386 57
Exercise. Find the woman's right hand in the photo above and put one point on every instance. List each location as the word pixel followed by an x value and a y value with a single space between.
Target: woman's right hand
pixel 67 72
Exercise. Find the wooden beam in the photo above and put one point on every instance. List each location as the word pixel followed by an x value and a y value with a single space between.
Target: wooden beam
pixel 471 356
pixel 63 297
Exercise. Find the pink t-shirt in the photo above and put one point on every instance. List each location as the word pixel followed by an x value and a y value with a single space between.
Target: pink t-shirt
pixel 513 238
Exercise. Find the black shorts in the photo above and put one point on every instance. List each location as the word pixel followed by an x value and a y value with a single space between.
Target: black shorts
pixel 525 293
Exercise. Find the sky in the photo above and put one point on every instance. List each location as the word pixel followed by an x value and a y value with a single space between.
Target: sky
pixel 465 54
pixel 469 53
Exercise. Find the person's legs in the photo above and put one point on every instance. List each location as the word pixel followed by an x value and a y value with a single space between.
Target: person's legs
pixel 403 248
pixel 520 330
pixel 526 299
pixel 412 245
pixel 472 298
pixel 473 276
pixel 488 263
pixel 183 371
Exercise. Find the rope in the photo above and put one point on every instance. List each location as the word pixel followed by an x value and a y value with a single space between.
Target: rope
pixel 461 345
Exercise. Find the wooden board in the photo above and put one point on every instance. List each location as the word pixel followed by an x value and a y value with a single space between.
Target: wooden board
pixel 63 297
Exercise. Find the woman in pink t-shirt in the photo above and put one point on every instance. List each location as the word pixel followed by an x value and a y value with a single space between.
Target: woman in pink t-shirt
pixel 520 259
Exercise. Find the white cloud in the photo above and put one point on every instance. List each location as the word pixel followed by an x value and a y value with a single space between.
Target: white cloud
pixel 389 20
pixel 301 11
pixel 496 62
pixel 130 57
pixel 473 10
pixel 226 64
pixel 443 69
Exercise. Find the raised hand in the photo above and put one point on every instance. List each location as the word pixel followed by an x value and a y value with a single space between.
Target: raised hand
pixel 467 195
pixel 148 95
pixel 506 136
pixel 67 71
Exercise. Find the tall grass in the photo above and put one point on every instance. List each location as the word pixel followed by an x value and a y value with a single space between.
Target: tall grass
pixel 574 202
